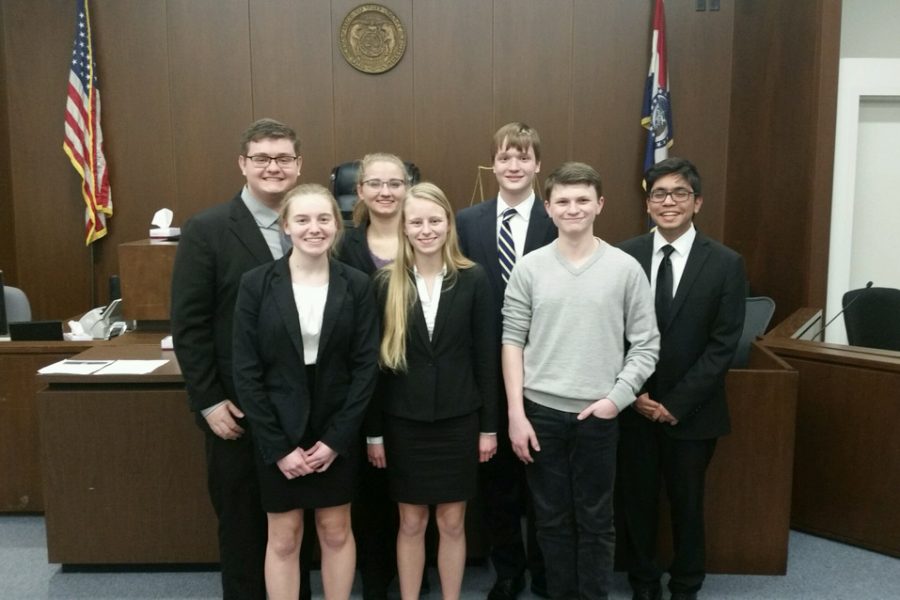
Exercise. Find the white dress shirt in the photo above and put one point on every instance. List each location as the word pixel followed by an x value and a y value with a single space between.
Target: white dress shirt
pixel 310 301
pixel 679 257
pixel 430 301
pixel 518 224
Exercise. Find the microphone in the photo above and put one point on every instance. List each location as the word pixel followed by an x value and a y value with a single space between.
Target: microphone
pixel 4 325
pixel 849 304
pixel 115 288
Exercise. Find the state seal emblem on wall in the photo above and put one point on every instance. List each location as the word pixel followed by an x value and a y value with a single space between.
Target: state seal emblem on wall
pixel 372 38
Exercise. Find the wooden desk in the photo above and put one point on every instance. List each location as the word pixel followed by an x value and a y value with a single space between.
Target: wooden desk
pixel 847 460
pixel 124 472
pixel 20 467
pixel 124 467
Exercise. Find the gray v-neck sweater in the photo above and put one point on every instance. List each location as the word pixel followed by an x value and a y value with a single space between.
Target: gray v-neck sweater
pixel 573 324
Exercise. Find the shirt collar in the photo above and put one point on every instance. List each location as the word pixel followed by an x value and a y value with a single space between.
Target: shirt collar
pixel 682 245
pixel 443 272
pixel 265 216
pixel 523 208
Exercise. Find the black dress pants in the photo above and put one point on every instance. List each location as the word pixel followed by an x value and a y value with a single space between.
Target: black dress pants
pixel 649 458
pixel 234 491
pixel 506 500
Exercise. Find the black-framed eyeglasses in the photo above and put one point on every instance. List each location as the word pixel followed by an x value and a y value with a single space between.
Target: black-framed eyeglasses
pixel 678 195
pixel 263 160
pixel 376 184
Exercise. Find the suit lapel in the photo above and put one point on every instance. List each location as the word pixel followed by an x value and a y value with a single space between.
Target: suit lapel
pixel 486 222
pixel 337 293
pixel 361 248
pixel 446 301
pixel 645 254
pixel 539 225
pixel 283 292
pixel 247 232
pixel 693 267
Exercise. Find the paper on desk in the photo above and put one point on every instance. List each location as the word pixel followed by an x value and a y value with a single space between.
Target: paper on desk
pixel 72 366
pixel 131 367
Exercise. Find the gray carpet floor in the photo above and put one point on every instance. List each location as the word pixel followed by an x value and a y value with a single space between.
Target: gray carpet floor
pixel 818 569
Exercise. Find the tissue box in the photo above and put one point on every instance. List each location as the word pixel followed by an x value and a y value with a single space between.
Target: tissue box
pixel 145 270
pixel 165 233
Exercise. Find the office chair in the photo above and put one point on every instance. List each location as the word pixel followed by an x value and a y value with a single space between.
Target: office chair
pixel 18 309
pixel 758 311
pixel 872 317
pixel 343 185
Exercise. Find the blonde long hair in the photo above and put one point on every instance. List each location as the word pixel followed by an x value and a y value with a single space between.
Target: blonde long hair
pixel 401 292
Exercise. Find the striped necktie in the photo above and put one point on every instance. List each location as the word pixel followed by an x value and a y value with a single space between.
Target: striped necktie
pixel 506 247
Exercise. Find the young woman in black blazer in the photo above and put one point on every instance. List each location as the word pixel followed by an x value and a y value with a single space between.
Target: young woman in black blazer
pixel 438 391
pixel 306 309
pixel 382 183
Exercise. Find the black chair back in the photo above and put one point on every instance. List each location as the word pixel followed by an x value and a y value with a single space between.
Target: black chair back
pixel 873 318
pixel 758 312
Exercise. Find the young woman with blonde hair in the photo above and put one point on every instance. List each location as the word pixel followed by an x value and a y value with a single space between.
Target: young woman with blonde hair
pixel 306 309
pixel 437 395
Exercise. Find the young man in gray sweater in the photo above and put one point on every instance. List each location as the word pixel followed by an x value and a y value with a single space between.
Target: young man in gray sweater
pixel 579 340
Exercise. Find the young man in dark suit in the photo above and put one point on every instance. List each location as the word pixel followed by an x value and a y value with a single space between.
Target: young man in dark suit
pixel 217 246
pixel 672 428
pixel 494 234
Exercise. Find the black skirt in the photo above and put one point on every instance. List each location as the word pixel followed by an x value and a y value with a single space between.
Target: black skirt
pixel 432 463
pixel 334 487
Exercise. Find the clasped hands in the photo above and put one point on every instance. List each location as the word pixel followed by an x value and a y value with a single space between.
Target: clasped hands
pixel 653 410
pixel 302 462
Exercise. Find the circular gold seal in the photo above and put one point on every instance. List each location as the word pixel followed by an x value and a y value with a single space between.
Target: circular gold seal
pixel 372 38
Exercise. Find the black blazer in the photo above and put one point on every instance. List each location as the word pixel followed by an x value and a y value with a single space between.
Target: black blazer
pixel 454 373
pixel 697 345
pixel 477 230
pixel 269 375
pixel 354 250
pixel 217 247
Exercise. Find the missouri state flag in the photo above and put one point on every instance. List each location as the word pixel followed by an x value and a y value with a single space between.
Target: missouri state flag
pixel 656 117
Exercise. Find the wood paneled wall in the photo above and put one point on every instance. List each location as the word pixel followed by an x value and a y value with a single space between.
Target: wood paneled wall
pixel 182 78
pixel 781 150
pixel 7 229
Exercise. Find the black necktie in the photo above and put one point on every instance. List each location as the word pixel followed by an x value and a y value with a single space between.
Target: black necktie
pixel 664 287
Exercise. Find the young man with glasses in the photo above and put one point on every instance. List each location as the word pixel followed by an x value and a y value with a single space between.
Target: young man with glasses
pixel 670 431
pixel 217 247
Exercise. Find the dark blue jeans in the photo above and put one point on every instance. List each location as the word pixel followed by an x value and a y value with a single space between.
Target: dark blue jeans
pixel 571 482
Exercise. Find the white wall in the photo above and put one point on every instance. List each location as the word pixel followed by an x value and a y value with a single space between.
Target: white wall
pixel 876 209
pixel 869 29
pixel 865 242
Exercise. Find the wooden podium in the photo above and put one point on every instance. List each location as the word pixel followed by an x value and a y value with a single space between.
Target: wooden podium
pixel 847 459
pixel 748 485
pixel 145 270
pixel 124 466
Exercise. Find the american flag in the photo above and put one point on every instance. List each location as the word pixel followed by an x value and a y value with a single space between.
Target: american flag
pixel 83 141
pixel 657 113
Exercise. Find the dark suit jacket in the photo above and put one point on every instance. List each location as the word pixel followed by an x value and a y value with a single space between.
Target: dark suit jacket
pixel 477 230
pixel 354 250
pixel 217 247
pixel 454 373
pixel 699 342
pixel 269 375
